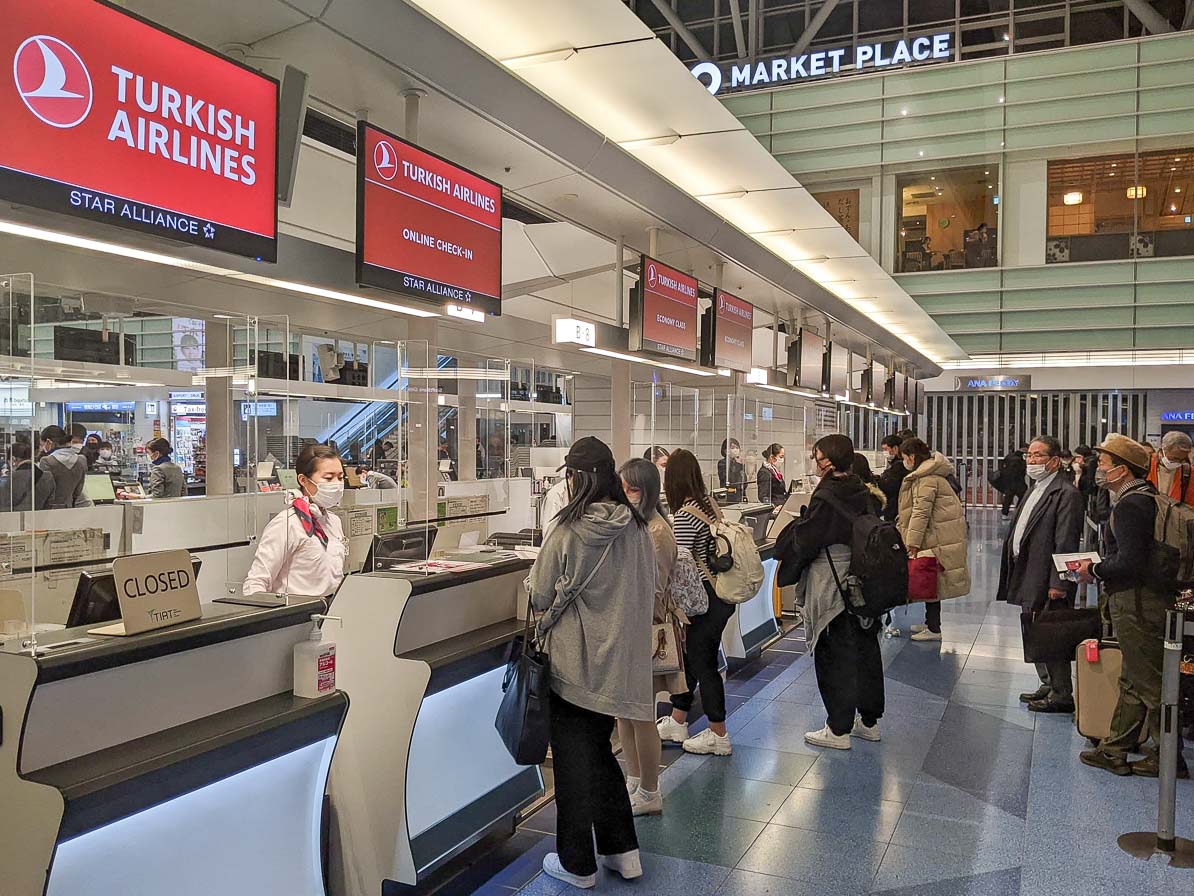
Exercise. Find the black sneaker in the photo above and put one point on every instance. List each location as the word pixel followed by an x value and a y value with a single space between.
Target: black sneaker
pixel 1117 765
pixel 1039 694
pixel 1051 705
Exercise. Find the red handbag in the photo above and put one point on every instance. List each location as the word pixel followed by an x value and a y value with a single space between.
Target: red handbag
pixel 922 578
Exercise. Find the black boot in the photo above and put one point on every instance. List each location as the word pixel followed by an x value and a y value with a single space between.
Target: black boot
pixel 1039 694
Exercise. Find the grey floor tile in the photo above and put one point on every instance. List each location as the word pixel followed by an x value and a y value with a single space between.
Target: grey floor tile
pixel 751 883
pixel 667 876
pixel 907 867
pixel 1163 881
pixel 991 883
pixel 995 836
pixel 763 765
pixel 827 811
pixel 712 839
pixel 1067 848
pixel 816 857
pixel 543 885
pixel 706 794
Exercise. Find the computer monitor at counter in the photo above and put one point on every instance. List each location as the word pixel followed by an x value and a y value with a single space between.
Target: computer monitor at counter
pixel 95 600
pixel 404 546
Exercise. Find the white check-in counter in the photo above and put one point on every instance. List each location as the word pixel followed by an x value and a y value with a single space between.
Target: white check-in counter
pixel 421 773
pixel 753 624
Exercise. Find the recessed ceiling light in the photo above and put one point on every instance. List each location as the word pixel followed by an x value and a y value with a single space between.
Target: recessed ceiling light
pixel 1113 164
pixel 934 177
pixel 986 172
pixel 922 152
pixel 1001 99
pixel 1177 189
pixel 903 111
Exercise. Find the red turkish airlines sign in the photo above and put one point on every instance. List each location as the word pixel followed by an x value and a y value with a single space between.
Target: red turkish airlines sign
pixel 664 319
pixel 110 118
pixel 426 227
pixel 733 332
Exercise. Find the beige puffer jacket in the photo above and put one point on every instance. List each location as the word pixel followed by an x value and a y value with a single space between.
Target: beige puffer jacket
pixel 931 519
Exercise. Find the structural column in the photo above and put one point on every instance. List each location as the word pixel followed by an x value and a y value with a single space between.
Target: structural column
pixel 218 396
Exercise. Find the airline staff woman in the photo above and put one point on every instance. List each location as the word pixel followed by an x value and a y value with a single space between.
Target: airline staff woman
pixel 771 476
pixel 303 549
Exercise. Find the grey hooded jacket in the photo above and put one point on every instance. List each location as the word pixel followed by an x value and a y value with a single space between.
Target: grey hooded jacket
pixel 69 469
pixel 599 637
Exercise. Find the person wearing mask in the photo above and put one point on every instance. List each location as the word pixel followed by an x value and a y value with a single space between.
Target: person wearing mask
pixel 28 487
pixel 1012 473
pixel 657 455
pixel 641 746
pixel 931 521
pixel 772 489
pixel 166 479
pixel 731 473
pixel 814 553
pixel 892 478
pixel 692 511
pixel 594 584
pixel 303 548
pixel 67 466
pixel 1047 522
pixel 1137 608
pixel 105 461
pixel 91 449
pixel 1169 468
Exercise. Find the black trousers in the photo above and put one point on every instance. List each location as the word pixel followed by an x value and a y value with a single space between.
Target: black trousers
pixel 700 659
pixel 849 669
pixel 1059 676
pixel 933 615
pixel 591 793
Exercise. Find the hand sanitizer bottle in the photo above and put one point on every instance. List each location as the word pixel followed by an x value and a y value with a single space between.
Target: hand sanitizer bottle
pixel 315 662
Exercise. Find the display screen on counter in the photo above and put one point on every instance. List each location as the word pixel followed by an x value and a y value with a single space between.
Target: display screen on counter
pixel 731 332
pixel 426 227
pixel 663 314
pixel 110 118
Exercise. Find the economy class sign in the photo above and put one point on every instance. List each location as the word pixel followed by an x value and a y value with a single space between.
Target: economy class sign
pixel 426 227
pixel 666 312
pixel 111 118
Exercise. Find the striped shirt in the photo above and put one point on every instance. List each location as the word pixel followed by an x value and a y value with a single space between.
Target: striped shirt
pixel 694 534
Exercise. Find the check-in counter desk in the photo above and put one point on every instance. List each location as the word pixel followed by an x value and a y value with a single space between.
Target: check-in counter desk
pixel 176 761
pixel 420 773
pixel 753 624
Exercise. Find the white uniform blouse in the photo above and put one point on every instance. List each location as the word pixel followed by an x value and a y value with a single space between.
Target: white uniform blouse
pixel 288 561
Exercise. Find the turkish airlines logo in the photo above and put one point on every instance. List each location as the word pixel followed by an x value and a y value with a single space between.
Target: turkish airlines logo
pixel 652 276
pixel 52 81
pixel 385 160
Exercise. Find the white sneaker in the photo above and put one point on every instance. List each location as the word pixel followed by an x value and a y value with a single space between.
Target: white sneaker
pixel 926 635
pixel 671 731
pixel 643 802
pixel 631 784
pixel 708 743
pixel 919 627
pixel 626 864
pixel 866 732
pixel 553 868
pixel 826 738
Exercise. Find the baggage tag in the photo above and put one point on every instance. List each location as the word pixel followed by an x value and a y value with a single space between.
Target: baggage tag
pixel 1092 651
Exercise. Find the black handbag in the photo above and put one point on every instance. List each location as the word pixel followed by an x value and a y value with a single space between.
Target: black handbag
pixel 1053 636
pixel 524 716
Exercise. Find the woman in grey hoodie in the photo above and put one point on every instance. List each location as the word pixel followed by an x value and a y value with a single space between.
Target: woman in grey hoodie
pixel 594 583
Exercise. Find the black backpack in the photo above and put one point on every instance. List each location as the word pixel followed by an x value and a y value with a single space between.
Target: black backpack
pixel 877 579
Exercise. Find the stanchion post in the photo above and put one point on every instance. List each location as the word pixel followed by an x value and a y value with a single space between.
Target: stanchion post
pixel 1170 743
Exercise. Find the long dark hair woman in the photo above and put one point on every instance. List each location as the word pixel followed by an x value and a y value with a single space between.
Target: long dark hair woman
pixel 594 584
pixel 692 512
pixel 731 473
pixel 814 553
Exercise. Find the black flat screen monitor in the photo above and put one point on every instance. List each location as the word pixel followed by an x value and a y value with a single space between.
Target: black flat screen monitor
pixel 404 546
pixel 95 598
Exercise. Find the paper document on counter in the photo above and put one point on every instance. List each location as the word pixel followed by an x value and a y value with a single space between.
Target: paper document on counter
pixel 437 566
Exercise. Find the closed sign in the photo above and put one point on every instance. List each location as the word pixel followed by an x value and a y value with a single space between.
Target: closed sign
pixel 156 590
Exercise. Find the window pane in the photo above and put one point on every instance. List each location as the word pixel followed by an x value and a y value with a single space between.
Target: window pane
pixel 947 220
pixel 1164 214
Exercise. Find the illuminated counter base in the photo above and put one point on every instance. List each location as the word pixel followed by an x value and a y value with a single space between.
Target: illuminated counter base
pixel 172 762
pixel 420 773
pixel 753 624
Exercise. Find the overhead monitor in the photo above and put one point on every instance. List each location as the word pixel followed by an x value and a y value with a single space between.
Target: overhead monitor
pixel 877 384
pixel 839 369
pixel 425 227
pixel 859 373
pixel 727 337
pixel 111 118
pixel 806 361
pixel 918 402
pixel 900 395
pixel 663 312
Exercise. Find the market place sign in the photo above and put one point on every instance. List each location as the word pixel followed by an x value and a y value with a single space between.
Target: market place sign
pixel 776 71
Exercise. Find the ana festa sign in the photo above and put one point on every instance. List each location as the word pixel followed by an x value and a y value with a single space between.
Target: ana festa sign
pixel 1177 417
pixel 992 383
pixel 777 71
pixel 110 118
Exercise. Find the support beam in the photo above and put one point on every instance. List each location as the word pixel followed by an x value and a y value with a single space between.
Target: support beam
pixel 1188 18
pixel 814 27
pixel 1153 21
pixel 752 24
pixel 740 36
pixel 685 34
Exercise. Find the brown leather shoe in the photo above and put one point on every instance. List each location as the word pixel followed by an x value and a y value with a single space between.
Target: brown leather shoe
pixel 1117 765
pixel 1051 705
pixel 1150 767
pixel 1039 694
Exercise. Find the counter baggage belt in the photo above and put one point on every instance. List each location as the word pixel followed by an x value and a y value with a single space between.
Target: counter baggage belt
pixel 126 763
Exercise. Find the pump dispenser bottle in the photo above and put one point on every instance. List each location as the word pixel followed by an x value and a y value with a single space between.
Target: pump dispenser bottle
pixel 315 662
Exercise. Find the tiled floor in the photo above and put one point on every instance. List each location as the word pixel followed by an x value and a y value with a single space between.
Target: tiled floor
pixel 969 794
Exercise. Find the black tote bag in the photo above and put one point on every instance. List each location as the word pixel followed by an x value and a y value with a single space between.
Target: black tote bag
pixel 523 719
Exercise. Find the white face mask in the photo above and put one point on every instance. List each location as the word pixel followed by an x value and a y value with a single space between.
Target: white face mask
pixel 328 494
pixel 1170 464
pixel 105 454
pixel 909 465
pixel 1037 471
